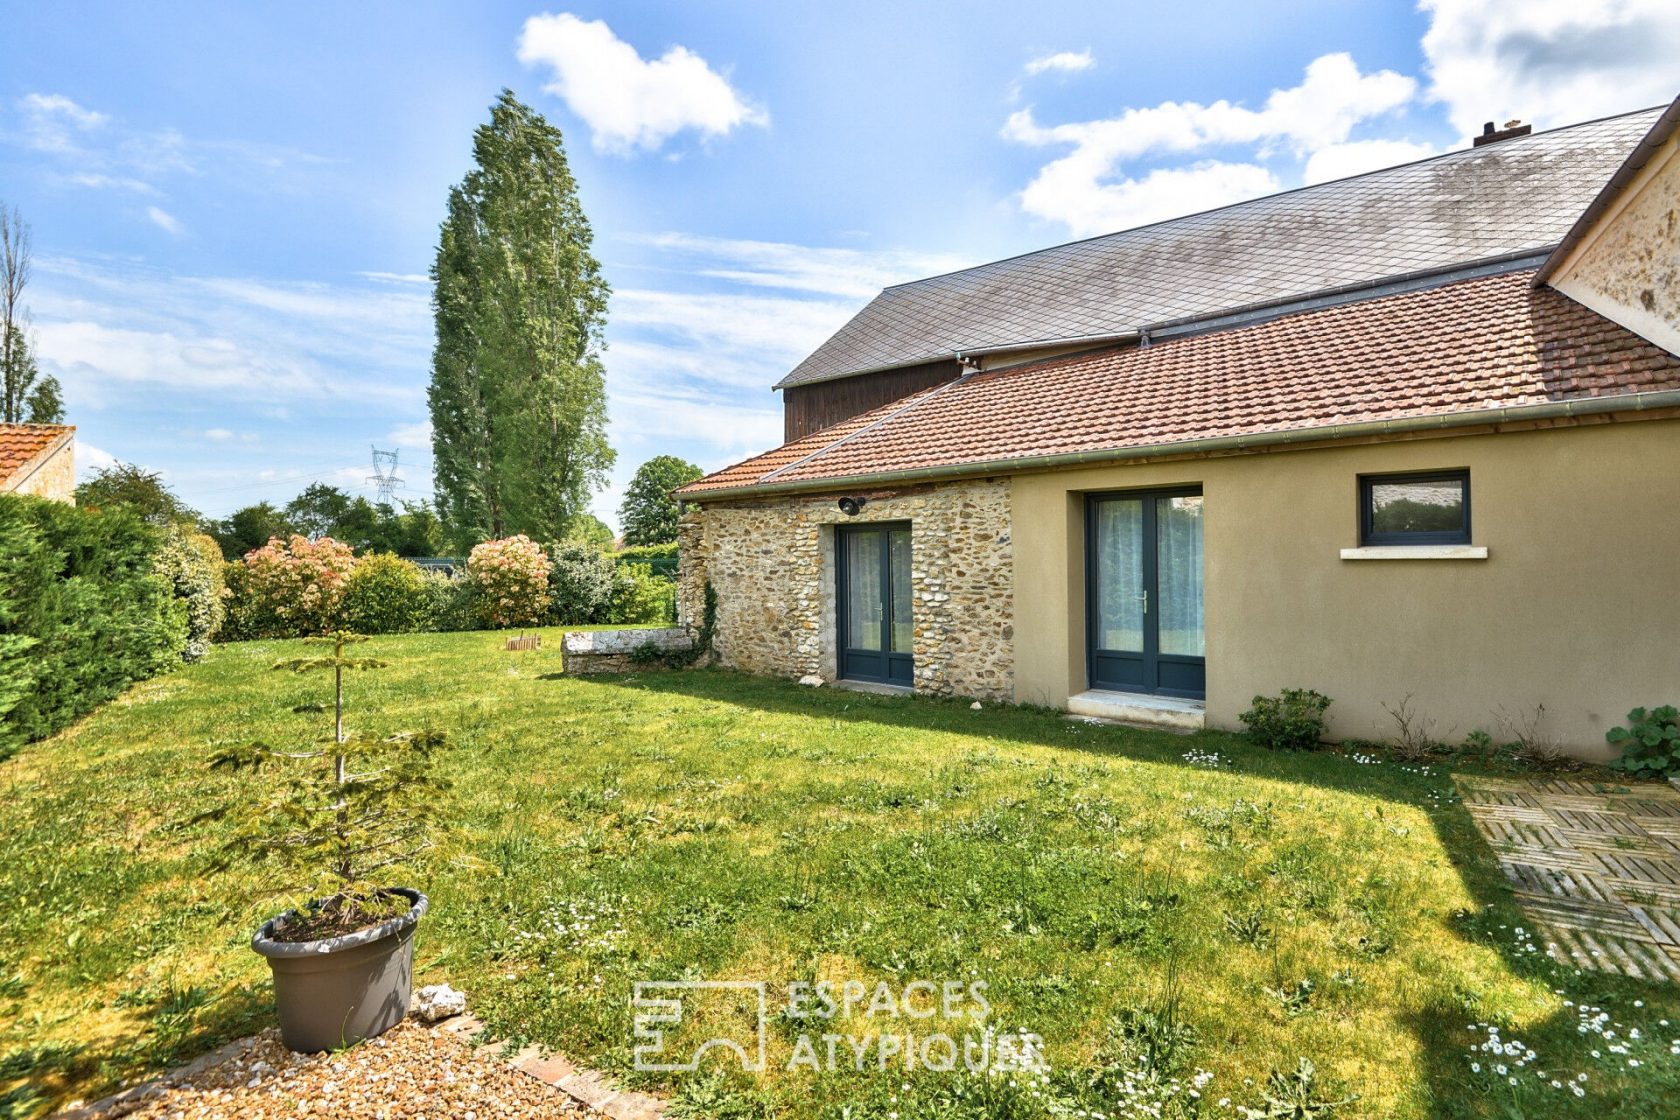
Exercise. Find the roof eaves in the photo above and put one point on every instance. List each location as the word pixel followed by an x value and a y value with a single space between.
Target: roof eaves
pixel 1252 441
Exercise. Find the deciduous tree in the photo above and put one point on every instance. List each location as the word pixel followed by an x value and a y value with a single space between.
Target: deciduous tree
pixel 518 396
pixel 649 514
pixel 25 396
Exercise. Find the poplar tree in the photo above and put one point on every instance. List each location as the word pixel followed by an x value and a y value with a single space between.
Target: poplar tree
pixel 518 392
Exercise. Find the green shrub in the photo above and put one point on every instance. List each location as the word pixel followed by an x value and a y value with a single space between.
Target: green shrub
pixel 245 616
pixel 639 596
pixel 191 563
pixel 1650 743
pixel 84 612
pixel 385 594
pixel 1290 721
pixel 451 602
pixel 638 553
pixel 580 584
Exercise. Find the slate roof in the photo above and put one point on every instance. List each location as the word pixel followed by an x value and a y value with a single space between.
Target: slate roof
pixel 21 444
pixel 1500 200
pixel 1461 348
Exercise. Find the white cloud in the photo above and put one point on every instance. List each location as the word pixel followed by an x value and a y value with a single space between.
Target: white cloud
pixel 165 221
pixel 54 123
pixel 1338 161
pixel 124 334
pixel 848 273
pixel 1550 62
pixel 627 101
pixel 417 435
pixel 396 277
pixel 91 459
pixel 218 434
pixel 1089 190
pixel 99 181
pixel 1068 61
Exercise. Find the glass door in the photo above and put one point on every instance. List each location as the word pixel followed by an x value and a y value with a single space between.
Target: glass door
pixel 876 633
pixel 1144 622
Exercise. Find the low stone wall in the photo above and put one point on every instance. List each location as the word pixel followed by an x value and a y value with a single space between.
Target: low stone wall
pixel 771 562
pixel 585 652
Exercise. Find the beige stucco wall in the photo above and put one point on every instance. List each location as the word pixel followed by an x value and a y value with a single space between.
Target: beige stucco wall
pixel 771 563
pixel 1575 607
pixel 1628 267
pixel 54 478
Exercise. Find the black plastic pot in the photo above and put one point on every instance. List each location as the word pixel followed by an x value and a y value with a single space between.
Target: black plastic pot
pixel 339 990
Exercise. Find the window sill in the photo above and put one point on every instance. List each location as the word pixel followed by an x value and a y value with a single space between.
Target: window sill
pixel 1417 552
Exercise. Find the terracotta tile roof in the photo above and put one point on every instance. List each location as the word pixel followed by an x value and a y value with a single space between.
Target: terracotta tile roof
pixel 1477 344
pixel 1518 196
pixel 21 443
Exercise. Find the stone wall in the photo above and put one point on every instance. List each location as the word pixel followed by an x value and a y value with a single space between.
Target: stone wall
pixel 771 562
pixel 586 652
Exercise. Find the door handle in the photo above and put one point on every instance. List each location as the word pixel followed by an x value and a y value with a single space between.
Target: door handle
pixel 1144 599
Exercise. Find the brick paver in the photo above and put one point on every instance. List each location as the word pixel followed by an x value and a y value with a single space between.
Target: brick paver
pixel 1595 865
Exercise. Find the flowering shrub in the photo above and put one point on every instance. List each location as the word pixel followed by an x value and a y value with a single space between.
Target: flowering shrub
pixel 511 579
pixel 296 587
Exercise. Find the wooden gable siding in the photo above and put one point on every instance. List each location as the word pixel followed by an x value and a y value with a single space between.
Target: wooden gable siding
pixel 811 408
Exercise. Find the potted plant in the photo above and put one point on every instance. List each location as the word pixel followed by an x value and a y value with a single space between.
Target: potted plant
pixel 338 814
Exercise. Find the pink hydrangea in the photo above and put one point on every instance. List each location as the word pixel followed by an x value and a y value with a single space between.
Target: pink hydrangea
pixel 511 576
pixel 300 581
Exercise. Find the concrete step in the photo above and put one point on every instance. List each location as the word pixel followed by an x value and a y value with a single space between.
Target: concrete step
pixel 1164 712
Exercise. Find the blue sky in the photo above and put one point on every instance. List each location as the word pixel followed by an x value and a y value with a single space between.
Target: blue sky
pixel 234 206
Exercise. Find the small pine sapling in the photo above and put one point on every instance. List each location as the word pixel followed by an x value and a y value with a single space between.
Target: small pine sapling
pixel 356 805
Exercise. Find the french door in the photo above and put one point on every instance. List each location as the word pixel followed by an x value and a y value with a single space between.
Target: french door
pixel 874 602
pixel 1143 580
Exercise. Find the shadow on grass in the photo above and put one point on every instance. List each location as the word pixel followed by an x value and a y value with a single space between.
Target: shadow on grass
pixel 163 1030
pixel 1442 1030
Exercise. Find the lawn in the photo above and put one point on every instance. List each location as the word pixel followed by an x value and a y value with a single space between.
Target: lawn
pixel 1193 903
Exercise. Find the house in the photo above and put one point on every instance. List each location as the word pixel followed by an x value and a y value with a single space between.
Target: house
pixel 38 459
pixel 1414 433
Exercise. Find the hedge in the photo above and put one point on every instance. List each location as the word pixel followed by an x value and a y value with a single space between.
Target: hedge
pixel 84 612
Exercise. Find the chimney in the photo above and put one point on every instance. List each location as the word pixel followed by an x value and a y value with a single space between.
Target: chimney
pixel 1491 135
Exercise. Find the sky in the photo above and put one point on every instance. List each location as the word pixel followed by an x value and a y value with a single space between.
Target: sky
pixel 234 207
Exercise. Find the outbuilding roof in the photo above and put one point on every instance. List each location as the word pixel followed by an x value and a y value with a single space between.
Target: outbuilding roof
pixel 1502 200
pixel 22 444
pixel 1476 350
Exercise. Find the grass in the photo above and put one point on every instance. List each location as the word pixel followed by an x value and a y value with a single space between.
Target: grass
pixel 1150 905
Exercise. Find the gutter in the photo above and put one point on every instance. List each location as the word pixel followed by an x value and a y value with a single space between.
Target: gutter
pixel 1440 422
pixel 1653 141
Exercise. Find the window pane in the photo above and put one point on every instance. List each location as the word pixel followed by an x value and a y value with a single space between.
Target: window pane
pixel 1417 506
pixel 1178 528
pixel 1120 576
pixel 902 635
pixel 863 590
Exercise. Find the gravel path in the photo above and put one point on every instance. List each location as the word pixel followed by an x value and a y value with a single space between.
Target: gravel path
pixel 410 1071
